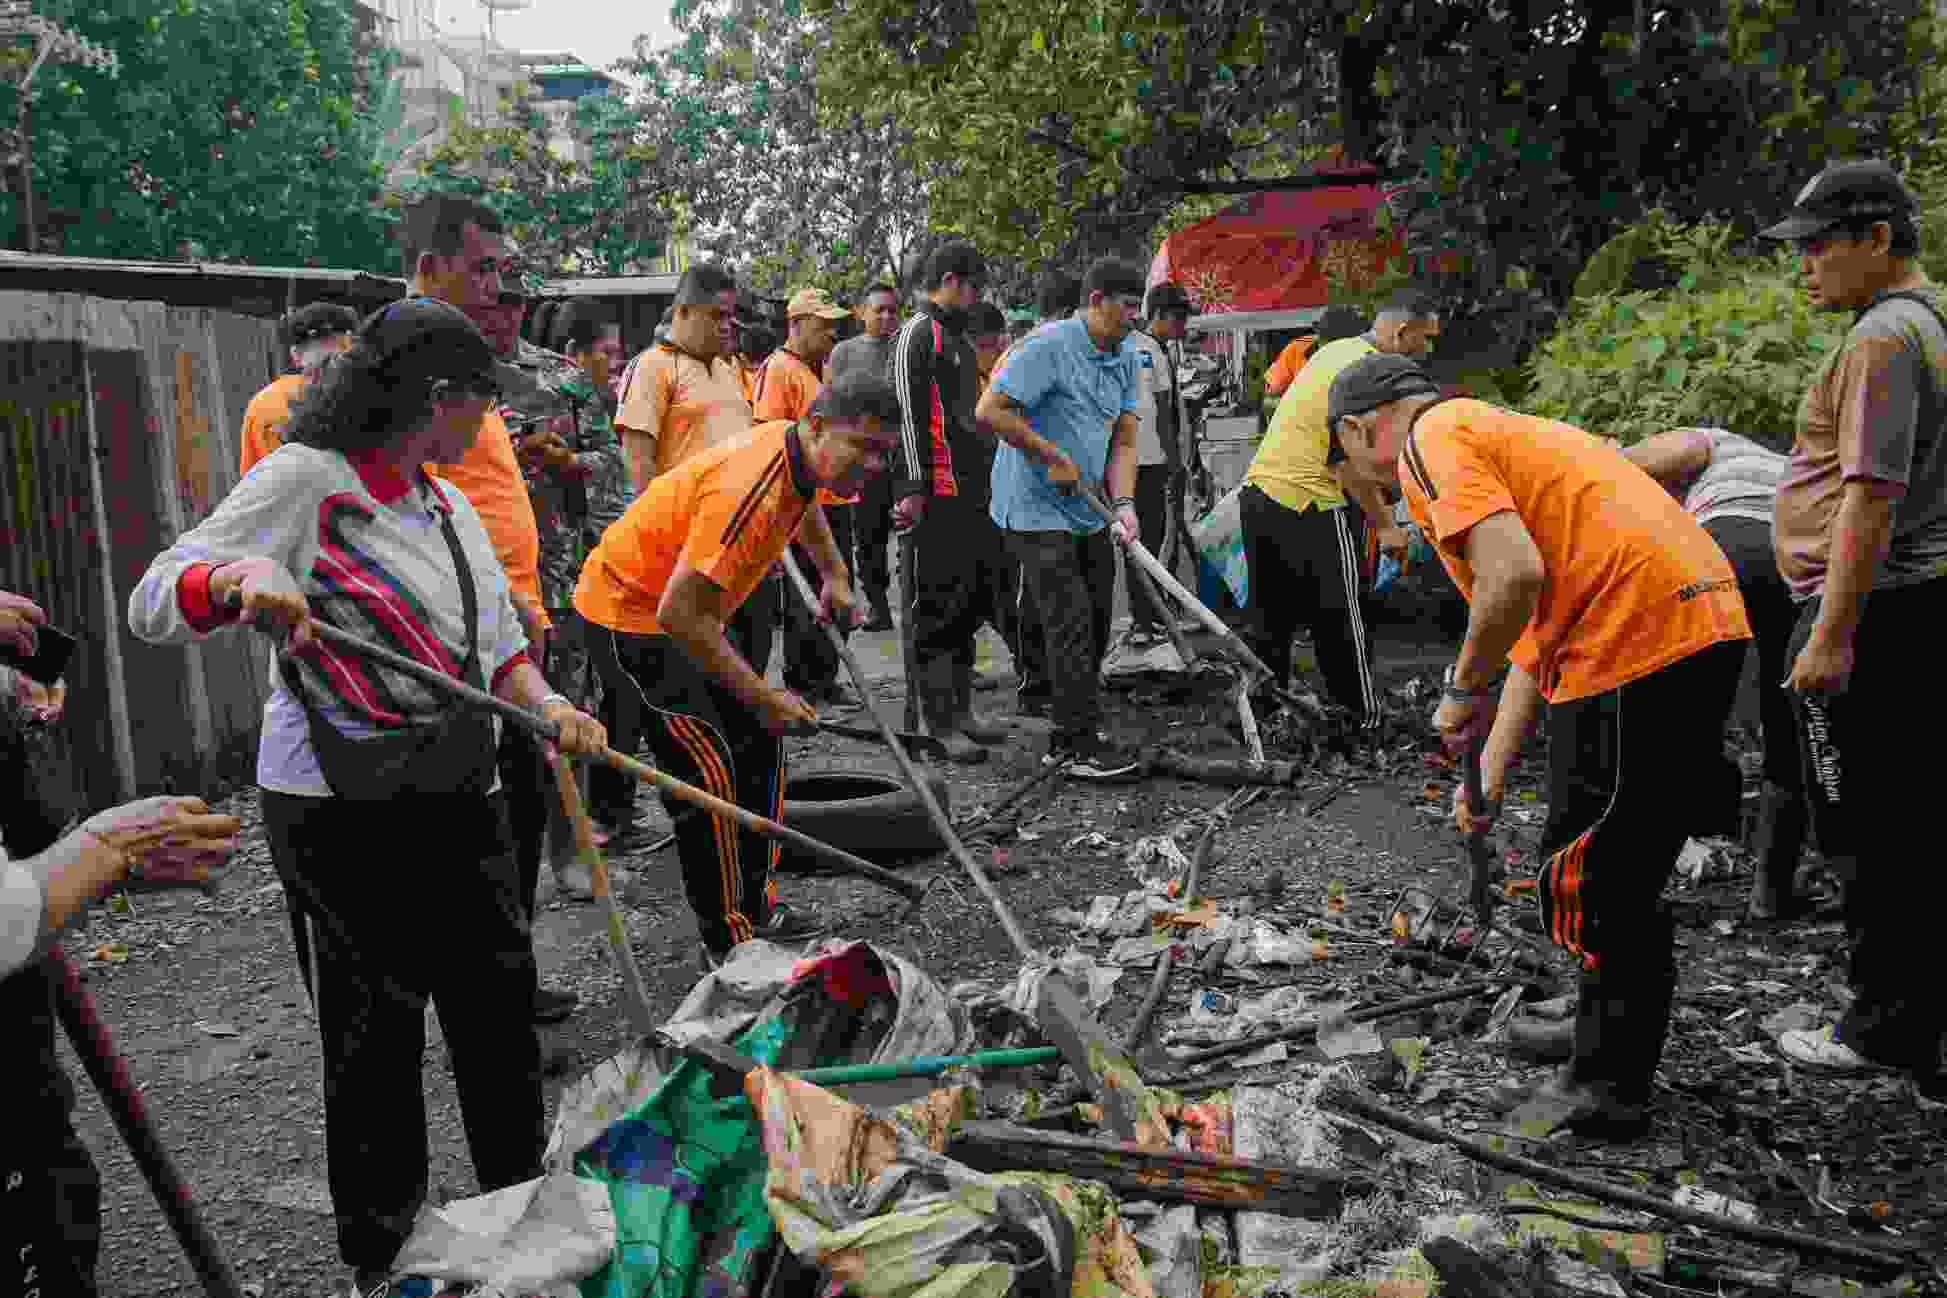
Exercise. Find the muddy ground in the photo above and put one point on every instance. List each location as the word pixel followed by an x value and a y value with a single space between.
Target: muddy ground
pixel 209 1013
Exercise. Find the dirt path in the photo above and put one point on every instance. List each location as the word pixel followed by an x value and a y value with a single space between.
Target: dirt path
pixel 243 1113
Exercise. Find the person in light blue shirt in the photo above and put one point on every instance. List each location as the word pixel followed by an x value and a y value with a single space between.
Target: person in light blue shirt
pixel 1064 408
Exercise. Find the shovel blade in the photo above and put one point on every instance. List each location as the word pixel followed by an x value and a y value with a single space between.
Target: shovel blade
pixel 1128 1107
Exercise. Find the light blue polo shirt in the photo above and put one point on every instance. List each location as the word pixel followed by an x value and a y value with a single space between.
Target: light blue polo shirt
pixel 1071 392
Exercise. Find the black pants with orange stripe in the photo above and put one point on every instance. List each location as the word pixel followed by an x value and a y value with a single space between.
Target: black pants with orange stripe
pixel 1627 772
pixel 703 734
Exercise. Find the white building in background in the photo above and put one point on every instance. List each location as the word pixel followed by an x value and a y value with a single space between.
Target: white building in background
pixel 561 80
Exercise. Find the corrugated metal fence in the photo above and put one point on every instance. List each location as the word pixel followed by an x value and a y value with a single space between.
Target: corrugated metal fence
pixel 119 425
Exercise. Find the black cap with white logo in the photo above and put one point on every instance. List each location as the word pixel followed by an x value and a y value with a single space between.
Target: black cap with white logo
pixel 1846 194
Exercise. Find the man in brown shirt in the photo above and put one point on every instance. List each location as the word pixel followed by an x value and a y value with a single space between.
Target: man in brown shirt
pixel 1860 529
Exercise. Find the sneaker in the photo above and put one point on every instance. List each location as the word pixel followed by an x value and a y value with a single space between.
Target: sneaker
pixel 788 923
pixel 1587 1109
pixel 708 959
pixel 551 1006
pixel 1092 757
pixel 1821 1048
pixel 367 1282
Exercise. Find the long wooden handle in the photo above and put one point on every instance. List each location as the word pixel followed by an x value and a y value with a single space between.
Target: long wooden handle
pixel 636 1000
pixel 1232 643
pixel 551 732
pixel 123 1100
pixel 918 783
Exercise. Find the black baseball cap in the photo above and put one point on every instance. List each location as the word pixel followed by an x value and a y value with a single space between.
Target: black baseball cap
pixel 1373 381
pixel 1846 194
pixel 1167 297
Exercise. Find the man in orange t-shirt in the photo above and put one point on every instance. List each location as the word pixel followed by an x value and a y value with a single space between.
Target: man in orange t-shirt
pixel 1621 613
pixel 314 334
pixel 657 594
pixel 786 385
pixel 457 252
pixel 1289 362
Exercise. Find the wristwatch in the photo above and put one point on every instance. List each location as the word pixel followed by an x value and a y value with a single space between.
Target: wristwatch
pixel 1454 691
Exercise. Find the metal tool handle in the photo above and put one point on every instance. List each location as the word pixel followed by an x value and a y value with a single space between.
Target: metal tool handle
pixel 1481 857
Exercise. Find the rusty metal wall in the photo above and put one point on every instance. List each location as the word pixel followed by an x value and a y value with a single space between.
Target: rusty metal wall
pixel 121 424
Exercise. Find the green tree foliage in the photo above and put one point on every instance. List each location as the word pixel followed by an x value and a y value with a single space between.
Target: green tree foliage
pixel 239 127
pixel 569 217
pixel 1730 340
pixel 773 175
pixel 1538 126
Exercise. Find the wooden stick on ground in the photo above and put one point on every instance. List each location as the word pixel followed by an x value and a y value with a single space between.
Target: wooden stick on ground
pixel 1605 1192
pixel 635 994
pixel 1168 1174
pixel 1099 1062
pixel 1370 1014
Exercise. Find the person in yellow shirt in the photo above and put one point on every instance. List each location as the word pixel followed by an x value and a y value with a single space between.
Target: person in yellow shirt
pixel 313 334
pixel 1304 544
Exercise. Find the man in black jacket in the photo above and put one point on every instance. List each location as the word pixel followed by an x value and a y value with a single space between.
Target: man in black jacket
pixel 940 495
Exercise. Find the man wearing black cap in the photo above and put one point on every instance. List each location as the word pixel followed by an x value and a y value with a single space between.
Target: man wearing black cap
pixel 1618 611
pixel 1159 439
pixel 1860 529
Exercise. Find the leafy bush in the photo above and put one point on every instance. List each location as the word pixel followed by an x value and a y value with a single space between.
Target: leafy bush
pixel 1732 343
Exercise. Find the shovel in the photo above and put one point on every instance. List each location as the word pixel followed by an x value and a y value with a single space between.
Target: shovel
pixel 1479 855
pixel 1100 1062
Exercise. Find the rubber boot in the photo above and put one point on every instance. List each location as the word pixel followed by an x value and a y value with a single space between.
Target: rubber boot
pixel 964 718
pixel 1777 843
pixel 936 699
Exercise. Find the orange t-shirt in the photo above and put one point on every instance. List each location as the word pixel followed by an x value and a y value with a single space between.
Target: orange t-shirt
pixel 1289 362
pixel 785 387
pixel 683 403
pixel 490 477
pixel 727 512
pixel 264 419
pixel 1634 582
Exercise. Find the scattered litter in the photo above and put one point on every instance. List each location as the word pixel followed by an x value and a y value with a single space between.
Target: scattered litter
pixel 1157 850
pixel 1275 1052
pixel 1791 1018
pixel 1139 950
pixel 1094 838
pixel 1690 1196
pixel 210 1029
pixel 1703 860
pixel 1765 985
pixel 1094 982
pixel 1175 1250
pixel 1340 1037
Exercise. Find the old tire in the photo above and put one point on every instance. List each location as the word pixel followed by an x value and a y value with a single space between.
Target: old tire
pixel 867 813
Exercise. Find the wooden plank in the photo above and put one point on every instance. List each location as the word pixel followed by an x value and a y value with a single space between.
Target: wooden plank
pixel 1170 1175
pixel 115 633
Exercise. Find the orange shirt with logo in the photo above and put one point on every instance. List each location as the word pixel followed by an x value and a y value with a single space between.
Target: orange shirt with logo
pixel 685 404
pixel 264 419
pixel 1634 582
pixel 490 476
pixel 728 512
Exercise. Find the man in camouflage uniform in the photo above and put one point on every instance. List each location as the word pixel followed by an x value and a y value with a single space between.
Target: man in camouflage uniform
pixel 561 423
pixel 564 432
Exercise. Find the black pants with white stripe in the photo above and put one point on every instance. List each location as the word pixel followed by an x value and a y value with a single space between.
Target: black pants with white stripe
pixel 1305 567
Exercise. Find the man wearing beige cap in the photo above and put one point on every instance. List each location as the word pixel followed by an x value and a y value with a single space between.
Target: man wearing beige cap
pixel 786 385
